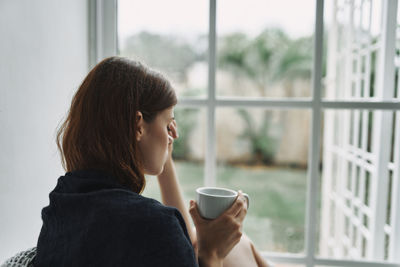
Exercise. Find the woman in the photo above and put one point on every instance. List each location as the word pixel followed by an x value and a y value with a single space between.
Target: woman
pixel 120 127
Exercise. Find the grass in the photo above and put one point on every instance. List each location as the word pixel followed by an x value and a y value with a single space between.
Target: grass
pixel 275 220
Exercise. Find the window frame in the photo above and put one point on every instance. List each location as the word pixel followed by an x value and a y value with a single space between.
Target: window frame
pixel 102 28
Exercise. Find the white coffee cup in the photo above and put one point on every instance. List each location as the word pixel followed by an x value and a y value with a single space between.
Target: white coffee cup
pixel 213 201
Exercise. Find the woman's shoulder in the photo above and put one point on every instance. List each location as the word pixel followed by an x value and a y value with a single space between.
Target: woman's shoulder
pixel 133 207
pixel 124 200
pixel 151 210
pixel 97 195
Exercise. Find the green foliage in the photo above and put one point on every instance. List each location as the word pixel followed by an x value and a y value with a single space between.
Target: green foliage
pixel 296 61
pixel 275 220
pixel 168 53
pixel 186 120
pixel 270 57
pixel 233 54
pixel 263 145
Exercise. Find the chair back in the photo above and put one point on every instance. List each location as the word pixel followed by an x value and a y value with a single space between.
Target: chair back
pixel 21 259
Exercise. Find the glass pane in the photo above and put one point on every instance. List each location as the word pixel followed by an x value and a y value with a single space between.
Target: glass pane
pixel 352 48
pixel 348 209
pixel 263 50
pixel 264 153
pixel 159 34
pixel 188 154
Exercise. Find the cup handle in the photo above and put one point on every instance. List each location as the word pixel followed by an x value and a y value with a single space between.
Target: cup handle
pixel 248 199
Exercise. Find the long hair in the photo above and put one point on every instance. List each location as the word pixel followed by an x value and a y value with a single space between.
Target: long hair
pixel 99 132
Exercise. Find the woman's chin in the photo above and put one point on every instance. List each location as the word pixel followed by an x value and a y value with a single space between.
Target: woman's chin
pixel 154 171
pixel 159 171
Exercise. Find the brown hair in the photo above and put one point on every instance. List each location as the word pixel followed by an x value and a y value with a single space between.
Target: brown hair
pixel 99 132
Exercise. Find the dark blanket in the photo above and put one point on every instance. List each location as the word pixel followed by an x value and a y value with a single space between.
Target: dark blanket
pixel 92 220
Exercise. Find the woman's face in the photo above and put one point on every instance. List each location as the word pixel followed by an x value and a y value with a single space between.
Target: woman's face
pixel 155 138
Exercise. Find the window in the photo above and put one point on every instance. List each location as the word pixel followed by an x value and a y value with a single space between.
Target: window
pixel 361 145
pixel 296 103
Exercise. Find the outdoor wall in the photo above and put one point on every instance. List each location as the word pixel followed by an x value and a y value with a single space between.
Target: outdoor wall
pixel 43 52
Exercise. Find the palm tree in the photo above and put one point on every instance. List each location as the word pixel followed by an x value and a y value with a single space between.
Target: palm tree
pixel 271 57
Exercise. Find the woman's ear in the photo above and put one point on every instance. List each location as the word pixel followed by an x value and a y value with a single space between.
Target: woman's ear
pixel 139 125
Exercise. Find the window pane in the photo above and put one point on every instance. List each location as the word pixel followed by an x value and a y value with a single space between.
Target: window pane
pixel 353 46
pixel 263 50
pixel 264 153
pixel 359 171
pixel 159 34
pixel 188 154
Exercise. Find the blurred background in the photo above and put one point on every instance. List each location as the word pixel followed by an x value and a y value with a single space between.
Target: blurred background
pixel 262 50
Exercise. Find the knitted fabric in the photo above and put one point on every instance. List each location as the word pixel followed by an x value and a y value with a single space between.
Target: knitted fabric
pixel 21 259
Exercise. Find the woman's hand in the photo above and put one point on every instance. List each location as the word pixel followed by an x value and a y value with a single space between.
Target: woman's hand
pixel 172 135
pixel 216 238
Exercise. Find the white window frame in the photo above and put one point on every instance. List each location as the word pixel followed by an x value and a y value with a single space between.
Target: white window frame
pixel 103 43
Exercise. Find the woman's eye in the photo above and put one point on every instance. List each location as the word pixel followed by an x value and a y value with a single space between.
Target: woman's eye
pixel 168 128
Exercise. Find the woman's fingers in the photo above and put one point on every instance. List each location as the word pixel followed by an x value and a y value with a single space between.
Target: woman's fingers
pixel 170 140
pixel 194 213
pixel 174 129
pixel 241 215
pixel 239 204
pixel 219 236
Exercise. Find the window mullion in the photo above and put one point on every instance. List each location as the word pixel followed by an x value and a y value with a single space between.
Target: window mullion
pixel 381 135
pixel 102 30
pixel 394 249
pixel 315 136
pixel 210 160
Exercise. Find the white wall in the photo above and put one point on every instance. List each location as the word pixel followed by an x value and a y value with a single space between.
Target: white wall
pixel 43 59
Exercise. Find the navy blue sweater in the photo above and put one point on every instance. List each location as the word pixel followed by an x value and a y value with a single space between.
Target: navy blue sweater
pixel 92 220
